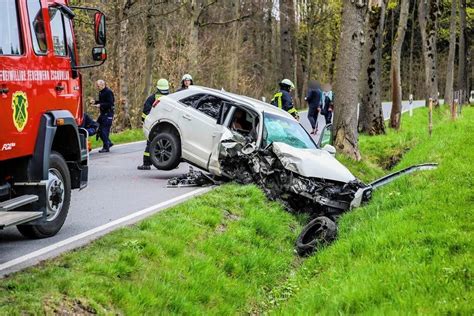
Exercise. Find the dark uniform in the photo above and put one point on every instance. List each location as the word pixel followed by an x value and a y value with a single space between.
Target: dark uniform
pixel 328 103
pixel 283 100
pixel 106 104
pixel 89 124
pixel 314 106
pixel 150 101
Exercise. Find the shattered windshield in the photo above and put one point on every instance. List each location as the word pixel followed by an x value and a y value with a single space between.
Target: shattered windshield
pixel 285 130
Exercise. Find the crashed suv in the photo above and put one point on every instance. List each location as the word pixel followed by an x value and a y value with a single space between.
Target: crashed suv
pixel 247 140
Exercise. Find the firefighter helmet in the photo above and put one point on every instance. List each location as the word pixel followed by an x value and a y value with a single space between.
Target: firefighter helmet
pixel 162 85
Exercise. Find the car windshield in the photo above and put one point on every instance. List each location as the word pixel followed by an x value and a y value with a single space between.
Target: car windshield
pixel 285 130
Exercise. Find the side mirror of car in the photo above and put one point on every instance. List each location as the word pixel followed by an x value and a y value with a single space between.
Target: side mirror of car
pixel 330 149
pixel 99 54
pixel 326 136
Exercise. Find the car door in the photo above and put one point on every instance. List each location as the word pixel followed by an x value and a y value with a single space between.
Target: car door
pixel 199 127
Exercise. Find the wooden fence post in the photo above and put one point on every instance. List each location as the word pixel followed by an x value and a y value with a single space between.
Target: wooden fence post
pixel 430 117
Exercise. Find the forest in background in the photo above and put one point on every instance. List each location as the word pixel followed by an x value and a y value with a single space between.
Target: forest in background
pixel 248 46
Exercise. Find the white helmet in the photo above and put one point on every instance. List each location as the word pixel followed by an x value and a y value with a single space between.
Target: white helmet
pixel 187 77
pixel 288 83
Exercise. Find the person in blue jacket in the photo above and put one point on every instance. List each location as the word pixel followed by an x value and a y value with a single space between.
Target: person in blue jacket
pixel 106 106
pixel 313 98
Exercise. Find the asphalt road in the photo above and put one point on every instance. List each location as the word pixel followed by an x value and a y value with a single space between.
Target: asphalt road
pixel 116 192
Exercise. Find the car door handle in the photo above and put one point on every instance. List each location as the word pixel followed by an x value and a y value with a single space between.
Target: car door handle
pixel 4 90
pixel 187 117
pixel 59 88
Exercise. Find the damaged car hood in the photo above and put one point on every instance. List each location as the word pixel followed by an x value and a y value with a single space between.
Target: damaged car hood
pixel 312 163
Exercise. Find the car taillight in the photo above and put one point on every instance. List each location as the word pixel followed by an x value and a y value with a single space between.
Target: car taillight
pixel 155 103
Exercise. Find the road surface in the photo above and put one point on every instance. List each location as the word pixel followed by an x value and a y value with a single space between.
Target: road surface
pixel 116 194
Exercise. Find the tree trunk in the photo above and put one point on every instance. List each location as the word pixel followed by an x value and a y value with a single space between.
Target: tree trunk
pixel 428 11
pixel 410 62
pixel 462 70
pixel 234 67
pixel 193 51
pixel 123 64
pixel 448 91
pixel 150 50
pixel 287 36
pixel 395 76
pixel 347 77
pixel 371 120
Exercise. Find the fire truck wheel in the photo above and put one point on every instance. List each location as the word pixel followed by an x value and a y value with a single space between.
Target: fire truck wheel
pixel 165 151
pixel 58 200
pixel 320 231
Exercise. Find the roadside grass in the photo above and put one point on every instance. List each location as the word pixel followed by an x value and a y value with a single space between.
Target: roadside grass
pixel 410 250
pixel 209 255
pixel 127 136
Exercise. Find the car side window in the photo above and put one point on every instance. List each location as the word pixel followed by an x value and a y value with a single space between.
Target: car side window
pixel 38 34
pixel 10 43
pixel 191 100
pixel 57 30
pixel 210 106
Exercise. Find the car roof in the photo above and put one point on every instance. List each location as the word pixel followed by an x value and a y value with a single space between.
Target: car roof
pixel 255 104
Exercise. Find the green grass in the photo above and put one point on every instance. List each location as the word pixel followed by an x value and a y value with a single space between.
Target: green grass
pixel 409 251
pixel 127 136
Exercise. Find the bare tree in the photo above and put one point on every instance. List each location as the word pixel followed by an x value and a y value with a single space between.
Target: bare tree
pixel 448 91
pixel 371 119
pixel 412 38
pixel 428 11
pixel 287 38
pixel 462 67
pixel 347 77
pixel 395 76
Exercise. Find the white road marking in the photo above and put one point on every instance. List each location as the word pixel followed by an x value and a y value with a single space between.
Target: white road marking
pixel 96 232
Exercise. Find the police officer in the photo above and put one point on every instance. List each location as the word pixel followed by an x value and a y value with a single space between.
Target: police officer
pixel 106 106
pixel 186 81
pixel 283 98
pixel 162 88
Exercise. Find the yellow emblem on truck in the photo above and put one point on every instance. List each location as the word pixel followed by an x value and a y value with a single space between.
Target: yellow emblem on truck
pixel 20 110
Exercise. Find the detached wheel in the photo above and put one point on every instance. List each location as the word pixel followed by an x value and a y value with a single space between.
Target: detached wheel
pixel 320 231
pixel 58 200
pixel 165 151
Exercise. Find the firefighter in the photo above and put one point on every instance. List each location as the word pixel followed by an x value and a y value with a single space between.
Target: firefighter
pixel 186 81
pixel 106 107
pixel 283 99
pixel 162 88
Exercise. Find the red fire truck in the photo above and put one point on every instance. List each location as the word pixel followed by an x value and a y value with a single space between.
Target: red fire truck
pixel 43 151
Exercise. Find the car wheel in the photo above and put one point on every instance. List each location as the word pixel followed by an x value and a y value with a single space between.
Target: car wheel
pixel 57 203
pixel 165 151
pixel 320 231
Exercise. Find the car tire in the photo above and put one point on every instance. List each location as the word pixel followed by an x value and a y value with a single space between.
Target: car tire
pixel 58 200
pixel 320 231
pixel 165 151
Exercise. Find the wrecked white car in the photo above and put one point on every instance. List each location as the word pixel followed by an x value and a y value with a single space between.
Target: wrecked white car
pixel 244 140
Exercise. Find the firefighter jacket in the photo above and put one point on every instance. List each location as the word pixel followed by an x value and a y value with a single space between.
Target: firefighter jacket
pixel 150 101
pixel 283 100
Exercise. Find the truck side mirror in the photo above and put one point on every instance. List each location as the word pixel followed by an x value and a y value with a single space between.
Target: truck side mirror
pixel 99 54
pixel 99 28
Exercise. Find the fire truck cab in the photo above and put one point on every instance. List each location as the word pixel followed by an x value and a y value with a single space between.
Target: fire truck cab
pixel 43 150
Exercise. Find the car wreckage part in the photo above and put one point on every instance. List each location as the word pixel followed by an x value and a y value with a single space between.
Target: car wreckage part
pixel 320 231
pixel 391 177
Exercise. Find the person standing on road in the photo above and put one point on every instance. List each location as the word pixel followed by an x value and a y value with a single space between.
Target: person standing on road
pixel 106 107
pixel 328 104
pixel 186 81
pixel 283 98
pixel 162 88
pixel 313 98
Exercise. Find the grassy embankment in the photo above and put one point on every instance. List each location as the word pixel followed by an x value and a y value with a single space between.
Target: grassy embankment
pixel 128 136
pixel 410 250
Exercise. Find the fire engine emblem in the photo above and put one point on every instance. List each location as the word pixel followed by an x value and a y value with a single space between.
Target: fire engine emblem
pixel 20 110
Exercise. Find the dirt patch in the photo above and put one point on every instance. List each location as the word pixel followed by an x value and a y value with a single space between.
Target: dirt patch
pixel 387 163
pixel 67 306
pixel 228 217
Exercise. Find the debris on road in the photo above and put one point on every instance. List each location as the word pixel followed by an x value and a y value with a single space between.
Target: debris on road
pixel 192 179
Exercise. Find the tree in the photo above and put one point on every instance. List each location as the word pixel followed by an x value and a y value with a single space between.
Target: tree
pixel 395 76
pixel 371 119
pixel 462 69
pixel 448 91
pixel 287 38
pixel 412 38
pixel 347 77
pixel 428 11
